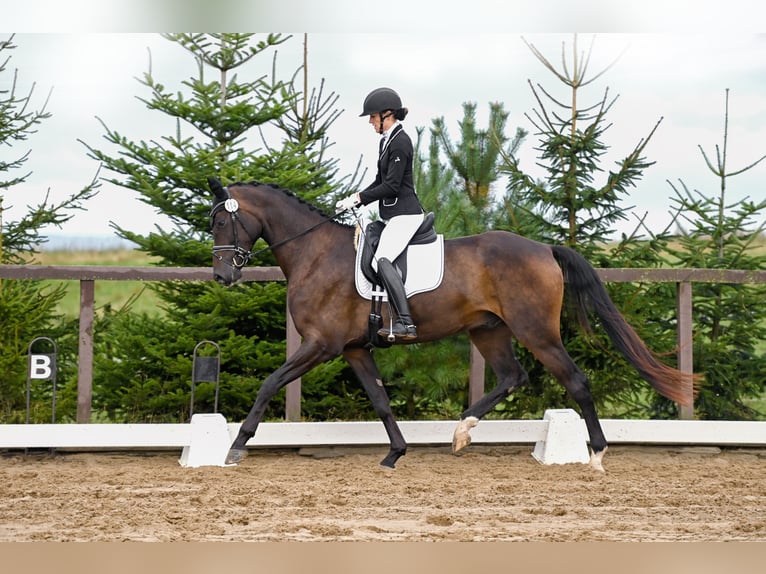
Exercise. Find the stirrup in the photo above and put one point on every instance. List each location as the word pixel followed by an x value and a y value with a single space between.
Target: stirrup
pixel 399 331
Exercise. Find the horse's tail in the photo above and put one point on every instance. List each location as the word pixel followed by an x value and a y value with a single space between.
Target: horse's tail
pixel 586 290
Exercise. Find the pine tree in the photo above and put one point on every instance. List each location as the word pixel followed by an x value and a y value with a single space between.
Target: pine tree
pixel 432 381
pixel 469 203
pixel 475 157
pixel 27 308
pixel 433 181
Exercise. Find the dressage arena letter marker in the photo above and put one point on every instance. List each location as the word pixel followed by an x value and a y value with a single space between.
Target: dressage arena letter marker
pixel 40 367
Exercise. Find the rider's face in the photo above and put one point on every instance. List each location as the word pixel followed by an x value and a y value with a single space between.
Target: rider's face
pixel 388 120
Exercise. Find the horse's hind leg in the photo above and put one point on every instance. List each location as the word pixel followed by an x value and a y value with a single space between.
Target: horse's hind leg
pixel 366 370
pixel 495 345
pixel 552 354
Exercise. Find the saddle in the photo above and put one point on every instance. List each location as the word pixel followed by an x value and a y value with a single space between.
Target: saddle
pixel 424 235
pixel 427 258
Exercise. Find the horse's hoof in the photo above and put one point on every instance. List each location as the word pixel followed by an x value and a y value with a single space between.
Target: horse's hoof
pixel 236 455
pixel 390 461
pixel 462 436
pixel 596 460
pixel 460 442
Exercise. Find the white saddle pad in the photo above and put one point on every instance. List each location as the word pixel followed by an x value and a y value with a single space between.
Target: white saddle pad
pixel 425 268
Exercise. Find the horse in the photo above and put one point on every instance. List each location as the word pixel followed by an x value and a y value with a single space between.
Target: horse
pixel 496 286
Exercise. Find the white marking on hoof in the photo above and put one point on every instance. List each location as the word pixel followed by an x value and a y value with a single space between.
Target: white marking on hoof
pixel 596 459
pixel 462 436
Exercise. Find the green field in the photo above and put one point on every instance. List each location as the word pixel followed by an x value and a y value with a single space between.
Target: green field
pixel 115 294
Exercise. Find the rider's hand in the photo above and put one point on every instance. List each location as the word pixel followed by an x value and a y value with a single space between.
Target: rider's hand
pixel 347 202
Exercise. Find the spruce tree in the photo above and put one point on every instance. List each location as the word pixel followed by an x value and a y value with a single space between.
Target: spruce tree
pixel 27 308
pixel 237 120
pixel 578 205
pixel 720 233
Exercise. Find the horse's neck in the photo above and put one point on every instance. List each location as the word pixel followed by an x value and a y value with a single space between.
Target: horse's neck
pixel 289 222
pixel 301 236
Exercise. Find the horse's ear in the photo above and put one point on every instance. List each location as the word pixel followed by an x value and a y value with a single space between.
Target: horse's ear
pixel 219 190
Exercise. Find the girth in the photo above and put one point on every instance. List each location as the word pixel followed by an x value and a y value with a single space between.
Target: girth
pixel 424 235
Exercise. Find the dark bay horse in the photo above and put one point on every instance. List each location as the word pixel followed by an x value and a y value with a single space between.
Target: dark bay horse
pixel 496 286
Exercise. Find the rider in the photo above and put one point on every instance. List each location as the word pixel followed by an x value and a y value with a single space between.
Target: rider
pixel 398 204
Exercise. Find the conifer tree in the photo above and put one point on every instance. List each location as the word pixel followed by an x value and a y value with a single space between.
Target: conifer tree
pixel 475 157
pixel 728 318
pixel 27 308
pixel 570 206
pixel 474 160
pixel 226 119
pixel 575 205
pixel 454 181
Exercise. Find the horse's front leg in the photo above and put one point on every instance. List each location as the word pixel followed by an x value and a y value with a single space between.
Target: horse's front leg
pixel 366 370
pixel 309 355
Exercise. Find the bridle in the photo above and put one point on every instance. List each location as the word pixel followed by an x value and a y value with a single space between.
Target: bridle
pixel 241 255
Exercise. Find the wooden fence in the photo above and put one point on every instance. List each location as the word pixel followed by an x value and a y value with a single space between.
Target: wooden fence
pixel 88 275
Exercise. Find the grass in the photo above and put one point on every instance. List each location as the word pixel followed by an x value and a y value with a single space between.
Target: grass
pixel 115 294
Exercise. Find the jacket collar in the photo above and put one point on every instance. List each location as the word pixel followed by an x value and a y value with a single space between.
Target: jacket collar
pixel 390 135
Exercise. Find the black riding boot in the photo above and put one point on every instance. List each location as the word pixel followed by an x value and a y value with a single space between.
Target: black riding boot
pixel 403 328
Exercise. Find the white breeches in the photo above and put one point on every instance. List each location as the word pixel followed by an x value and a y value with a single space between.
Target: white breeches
pixel 395 236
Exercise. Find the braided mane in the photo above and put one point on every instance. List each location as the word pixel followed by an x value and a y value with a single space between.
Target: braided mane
pixel 295 197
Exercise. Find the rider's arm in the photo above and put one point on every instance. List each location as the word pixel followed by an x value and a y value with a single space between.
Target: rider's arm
pixel 390 182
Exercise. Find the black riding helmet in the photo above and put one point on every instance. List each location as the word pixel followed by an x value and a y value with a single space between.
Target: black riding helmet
pixel 381 100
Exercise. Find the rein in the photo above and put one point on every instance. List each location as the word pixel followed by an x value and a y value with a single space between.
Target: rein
pixel 242 256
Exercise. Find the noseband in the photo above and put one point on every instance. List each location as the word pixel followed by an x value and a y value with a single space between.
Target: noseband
pixel 241 256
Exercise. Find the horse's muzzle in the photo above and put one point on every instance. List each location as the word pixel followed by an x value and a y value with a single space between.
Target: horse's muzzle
pixel 228 276
pixel 222 280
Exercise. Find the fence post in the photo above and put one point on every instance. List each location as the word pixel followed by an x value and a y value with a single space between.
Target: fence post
pixel 85 351
pixel 293 389
pixel 684 338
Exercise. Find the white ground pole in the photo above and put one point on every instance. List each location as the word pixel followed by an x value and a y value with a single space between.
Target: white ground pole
pixel 204 443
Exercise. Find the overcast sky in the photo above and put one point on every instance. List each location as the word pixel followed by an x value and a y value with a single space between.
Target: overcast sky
pixel 678 76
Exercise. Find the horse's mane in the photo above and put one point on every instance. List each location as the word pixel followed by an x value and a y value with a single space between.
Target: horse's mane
pixel 310 206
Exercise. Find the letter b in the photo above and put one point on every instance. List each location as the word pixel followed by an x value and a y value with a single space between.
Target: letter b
pixel 40 367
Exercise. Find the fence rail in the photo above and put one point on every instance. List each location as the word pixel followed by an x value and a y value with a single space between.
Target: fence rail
pixel 88 275
pixel 365 433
